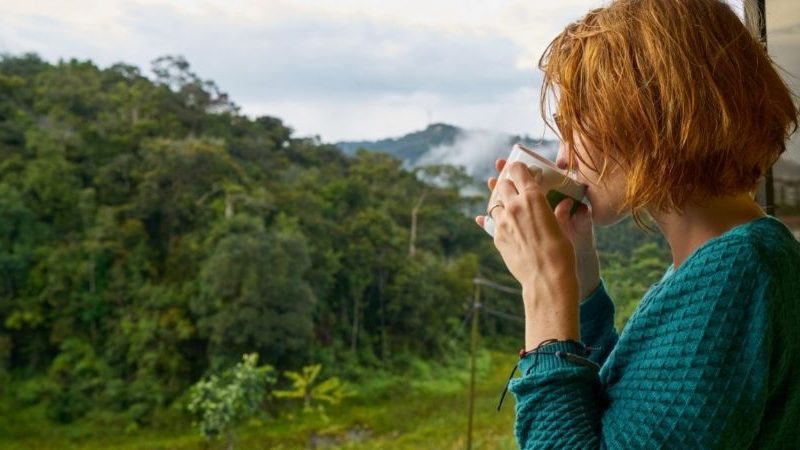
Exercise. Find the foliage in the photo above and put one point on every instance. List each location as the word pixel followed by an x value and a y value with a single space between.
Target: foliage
pixel 631 262
pixel 313 393
pixel 150 234
pixel 223 401
pixel 409 418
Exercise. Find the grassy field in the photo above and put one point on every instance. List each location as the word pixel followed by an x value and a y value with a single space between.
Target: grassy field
pixel 427 413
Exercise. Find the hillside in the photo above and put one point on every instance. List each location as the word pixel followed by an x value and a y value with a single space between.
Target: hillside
pixel 409 147
pixel 440 143
pixel 151 235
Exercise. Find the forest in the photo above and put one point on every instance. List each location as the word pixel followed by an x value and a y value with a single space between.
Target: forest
pixel 152 235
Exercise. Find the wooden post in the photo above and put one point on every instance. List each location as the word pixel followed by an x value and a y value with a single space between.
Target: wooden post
pixel 755 18
pixel 473 350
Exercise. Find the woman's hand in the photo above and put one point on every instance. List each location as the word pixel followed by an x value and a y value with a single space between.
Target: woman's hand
pixel 538 254
pixel 579 230
pixel 528 234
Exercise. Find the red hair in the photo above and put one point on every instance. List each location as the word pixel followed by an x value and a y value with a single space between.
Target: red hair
pixel 677 93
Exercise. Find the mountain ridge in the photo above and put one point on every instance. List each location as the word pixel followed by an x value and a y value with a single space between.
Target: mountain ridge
pixel 473 149
pixel 476 149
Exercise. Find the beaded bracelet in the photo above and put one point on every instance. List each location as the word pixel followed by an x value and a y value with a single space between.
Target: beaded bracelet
pixel 523 352
pixel 579 359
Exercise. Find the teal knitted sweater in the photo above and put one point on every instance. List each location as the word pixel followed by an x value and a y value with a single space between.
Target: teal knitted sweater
pixel 710 358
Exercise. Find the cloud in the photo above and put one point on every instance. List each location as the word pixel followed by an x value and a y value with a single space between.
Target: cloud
pixel 344 78
pixel 473 149
pixel 344 70
pixel 390 115
pixel 303 58
pixel 476 151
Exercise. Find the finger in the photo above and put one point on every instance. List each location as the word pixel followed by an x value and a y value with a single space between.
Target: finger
pixel 499 164
pixel 492 183
pixel 480 221
pixel 506 191
pixel 522 177
pixel 562 214
pixel 583 218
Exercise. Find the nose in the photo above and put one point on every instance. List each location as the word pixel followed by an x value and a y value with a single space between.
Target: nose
pixel 561 158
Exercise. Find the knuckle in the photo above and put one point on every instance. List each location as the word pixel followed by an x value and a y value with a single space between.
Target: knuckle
pixel 533 194
pixel 514 207
pixel 499 234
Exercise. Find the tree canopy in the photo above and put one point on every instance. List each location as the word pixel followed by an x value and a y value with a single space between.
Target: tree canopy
pixel 151 234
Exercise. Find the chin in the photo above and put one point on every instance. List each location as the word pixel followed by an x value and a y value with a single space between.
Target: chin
pixel 604 216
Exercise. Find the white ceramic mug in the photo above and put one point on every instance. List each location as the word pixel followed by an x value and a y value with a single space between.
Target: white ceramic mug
pixel 557 183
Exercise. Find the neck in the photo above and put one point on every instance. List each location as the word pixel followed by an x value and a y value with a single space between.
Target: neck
pixel 696 224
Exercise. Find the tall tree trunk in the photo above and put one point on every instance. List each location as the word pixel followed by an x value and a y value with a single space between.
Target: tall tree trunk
pixel 229 440
pixel 93 277
pixel 384 344
pixel 356 314
pixel 413 239
pixel 228 205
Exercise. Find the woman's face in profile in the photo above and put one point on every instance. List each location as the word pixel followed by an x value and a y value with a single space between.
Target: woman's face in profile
pixel 606 195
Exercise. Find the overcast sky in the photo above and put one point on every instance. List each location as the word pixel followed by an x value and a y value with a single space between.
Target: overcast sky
pixel 344 69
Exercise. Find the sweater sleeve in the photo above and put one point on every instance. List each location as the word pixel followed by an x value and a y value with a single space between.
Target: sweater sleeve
pixel 597 323
pixel 689 372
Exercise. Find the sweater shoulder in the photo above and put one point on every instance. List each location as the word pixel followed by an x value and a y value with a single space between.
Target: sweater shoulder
pixel 776 251
pixel 717 296
pixel 763 250
pixel 725 261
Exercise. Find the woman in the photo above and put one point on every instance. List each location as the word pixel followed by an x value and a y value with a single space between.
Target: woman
pixel 668 108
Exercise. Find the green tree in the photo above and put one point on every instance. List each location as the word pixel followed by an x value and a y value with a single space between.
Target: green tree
pixel 150 233
pixel 252 293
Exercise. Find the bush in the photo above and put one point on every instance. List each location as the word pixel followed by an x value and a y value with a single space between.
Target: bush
pixel 222 401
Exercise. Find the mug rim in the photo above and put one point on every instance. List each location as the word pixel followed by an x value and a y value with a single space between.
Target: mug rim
pixel 541 158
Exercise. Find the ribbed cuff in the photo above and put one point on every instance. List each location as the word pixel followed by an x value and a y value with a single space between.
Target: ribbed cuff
pixel 545 359
pixel 596 305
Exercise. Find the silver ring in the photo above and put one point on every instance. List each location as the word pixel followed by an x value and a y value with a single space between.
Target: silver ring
pixel 489 212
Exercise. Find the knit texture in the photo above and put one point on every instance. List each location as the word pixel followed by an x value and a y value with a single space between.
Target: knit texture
pixel 709 359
